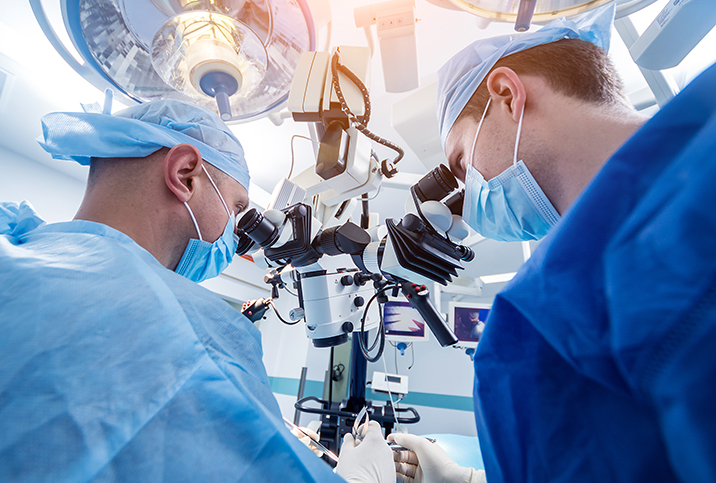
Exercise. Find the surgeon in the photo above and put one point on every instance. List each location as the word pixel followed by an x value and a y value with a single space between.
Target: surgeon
pixel 116 365
pixel 598 360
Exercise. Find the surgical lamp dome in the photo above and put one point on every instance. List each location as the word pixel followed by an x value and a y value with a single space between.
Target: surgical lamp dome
pixel 210 55
pixel 523 12
pixel 236 57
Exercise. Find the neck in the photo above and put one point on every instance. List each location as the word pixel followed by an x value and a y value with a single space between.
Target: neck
pixel 151 223
pixel 583 151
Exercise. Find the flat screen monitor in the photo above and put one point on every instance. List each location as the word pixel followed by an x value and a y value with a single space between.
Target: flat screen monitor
pixel 403 323
pixel 467 320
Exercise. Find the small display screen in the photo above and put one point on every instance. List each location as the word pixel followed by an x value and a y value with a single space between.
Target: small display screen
pixel 401 319
pixel 392 379
pixel 469 323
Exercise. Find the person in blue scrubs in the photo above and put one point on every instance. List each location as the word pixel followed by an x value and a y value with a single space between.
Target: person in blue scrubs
pixel 598 360
pixel 116 365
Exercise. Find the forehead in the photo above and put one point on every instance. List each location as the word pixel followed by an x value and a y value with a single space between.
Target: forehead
pixel 462 132
pixel 463 127
pixel 239 192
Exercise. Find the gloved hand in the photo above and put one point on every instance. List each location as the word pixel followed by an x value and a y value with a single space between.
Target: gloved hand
pixel 305 438
pixel 427 462
pixel 370 461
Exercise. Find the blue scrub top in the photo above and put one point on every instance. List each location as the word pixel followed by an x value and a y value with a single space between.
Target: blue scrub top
pixel 598 361
pixel 114 368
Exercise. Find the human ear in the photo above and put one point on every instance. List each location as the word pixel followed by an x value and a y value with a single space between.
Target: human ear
pixel 507 92
pixel 182 165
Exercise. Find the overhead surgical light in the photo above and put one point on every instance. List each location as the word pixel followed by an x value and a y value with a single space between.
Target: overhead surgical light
pixel 209 54
pixel 524 12
pixel 236 57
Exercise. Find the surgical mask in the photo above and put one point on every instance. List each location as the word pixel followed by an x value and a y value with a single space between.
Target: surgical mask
pixel 201 259
pixel 511 206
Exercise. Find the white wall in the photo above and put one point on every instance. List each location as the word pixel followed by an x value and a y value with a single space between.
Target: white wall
pixel 54 195
pixel 436 370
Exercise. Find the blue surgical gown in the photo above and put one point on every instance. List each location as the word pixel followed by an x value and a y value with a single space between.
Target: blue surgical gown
pixel 113 368
pixel 598 361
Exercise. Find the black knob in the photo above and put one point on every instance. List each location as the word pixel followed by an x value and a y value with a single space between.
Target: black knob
pixel 361 278
pixel 347 280
pixel 347 327
pixel 358 301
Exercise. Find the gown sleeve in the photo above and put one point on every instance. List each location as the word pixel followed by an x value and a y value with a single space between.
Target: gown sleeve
pixel 18 218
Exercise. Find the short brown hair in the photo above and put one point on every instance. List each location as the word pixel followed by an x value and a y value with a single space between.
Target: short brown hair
pixel 573 67
pixel 100 165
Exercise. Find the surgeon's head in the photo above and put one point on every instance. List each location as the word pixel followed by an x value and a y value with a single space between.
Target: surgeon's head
pixel 169 174
pixel 527 120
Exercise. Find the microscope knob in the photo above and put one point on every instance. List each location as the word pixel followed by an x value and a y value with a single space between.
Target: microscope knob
pixel 361 278
pixel 347 327
pixel 347 280
pixel 358 301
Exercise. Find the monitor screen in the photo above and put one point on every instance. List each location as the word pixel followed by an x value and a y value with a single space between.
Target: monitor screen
pixel 468 321
pixel 403 322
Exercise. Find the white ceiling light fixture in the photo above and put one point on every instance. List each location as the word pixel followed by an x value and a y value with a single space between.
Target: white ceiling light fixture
pixel 236 57
pixel 497 278
pixel 523 12
pixel 395 25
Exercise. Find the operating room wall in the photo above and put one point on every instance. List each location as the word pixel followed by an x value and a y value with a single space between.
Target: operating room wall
pixel 440 379
pixel 54 195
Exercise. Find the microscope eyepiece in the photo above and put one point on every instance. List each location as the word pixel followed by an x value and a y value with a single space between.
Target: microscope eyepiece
pixel 347 238
pixel 258 228
pixel 435 185
pixel 455 202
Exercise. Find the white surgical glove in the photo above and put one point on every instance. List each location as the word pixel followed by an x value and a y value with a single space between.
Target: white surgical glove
pixel 427 462
pixel 370 461
pixel 307 438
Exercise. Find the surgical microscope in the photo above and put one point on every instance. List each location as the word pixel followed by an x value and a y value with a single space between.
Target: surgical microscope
pixel 340 269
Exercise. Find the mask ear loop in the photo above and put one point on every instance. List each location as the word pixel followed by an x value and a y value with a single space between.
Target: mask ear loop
pixel 519 134
pixel 196 225
pixel 217 191
pixel 191 213
pixel 474 142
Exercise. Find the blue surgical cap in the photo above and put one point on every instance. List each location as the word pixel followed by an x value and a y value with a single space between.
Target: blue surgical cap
pixel 140 130
pixel 460 77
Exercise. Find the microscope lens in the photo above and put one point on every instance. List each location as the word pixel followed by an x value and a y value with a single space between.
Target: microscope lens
pixel 435 185
pixel 258 228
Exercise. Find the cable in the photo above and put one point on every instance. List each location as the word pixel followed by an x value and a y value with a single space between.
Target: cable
pixel 378 338
pixel 293 158
pixel 330 380
pixel 361 122
pixel 395 356
pixel 390 395
pixel 377 192
pixel 412 351
pixel 361 334
pixel 381 328
pixel 281 318
pixel 335 67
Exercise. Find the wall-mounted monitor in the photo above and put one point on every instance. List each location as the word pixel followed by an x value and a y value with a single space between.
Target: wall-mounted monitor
pixel 403 323
pixel 467 320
